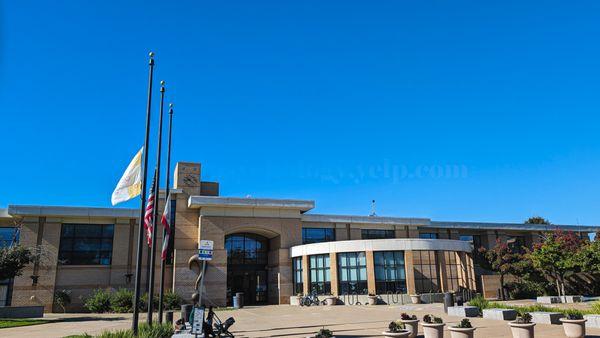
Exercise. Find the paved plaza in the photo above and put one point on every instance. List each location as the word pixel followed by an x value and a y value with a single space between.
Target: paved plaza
pixel 286 321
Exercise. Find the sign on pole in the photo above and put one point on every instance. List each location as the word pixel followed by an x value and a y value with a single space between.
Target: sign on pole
pixel 205 250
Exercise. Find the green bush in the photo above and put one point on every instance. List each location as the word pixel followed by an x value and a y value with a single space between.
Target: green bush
pixel 62 298
pixel 156 331
pixel 117 334
pixel 98 301
pixel 480 302
pixel 172 301
pixel 144 302
pixel 121 301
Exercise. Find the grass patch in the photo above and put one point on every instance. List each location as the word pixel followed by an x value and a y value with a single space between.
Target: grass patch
pixel 482 304
pixel 6 323
pixel 155 331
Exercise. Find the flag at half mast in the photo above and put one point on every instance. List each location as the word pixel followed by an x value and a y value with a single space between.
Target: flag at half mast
pixel 130 184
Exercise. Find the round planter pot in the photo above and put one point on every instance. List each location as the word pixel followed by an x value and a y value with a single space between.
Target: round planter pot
pixel 403 333
pixel 331 301
pixel 457 332
pixel 372 300
pixel 574 328
pixel 522 330
pixel 433 330
pixel 415 299
pixel 412 325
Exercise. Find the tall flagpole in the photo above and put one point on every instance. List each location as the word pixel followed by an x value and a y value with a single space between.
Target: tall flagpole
pixel 155 220
pixel 138 266
pixel 161 291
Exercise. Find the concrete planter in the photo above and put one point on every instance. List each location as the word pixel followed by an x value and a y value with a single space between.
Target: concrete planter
pixel 548 300
pixel 593 320
pixel 574 328
pixel 372 300
pixel 433 330
pixel 331 300
pixel 546 317
pixel 463 311
pixel 500 314
pixel 522 330
pixel 457 332
pixel 572 299
pixel 21 312
pixel 412 325
pixel 295 300
pixel 403 333
pixel 415 299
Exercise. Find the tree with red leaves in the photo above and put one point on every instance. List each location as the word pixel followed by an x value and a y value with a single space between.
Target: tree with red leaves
pixel 557 257
pixel 504 261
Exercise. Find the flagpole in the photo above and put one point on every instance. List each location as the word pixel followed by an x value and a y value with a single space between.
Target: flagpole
pixel 155 221
pixel 138 266
pixel 161 291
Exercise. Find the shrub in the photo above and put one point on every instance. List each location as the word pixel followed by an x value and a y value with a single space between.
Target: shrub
pixel 98 301
pixel 155 331
pixel 524 318
pixel 144 302
pixel 121 301
pixel 406 316
pixel 117 334
pixel 431 319
pixel 464 324
pixel 396 326
pixel 172 301
pixel 596 307
pixel 573 314
pixel 324 333
pixel 62 298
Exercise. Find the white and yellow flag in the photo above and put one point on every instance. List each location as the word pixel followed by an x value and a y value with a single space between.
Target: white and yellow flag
pixel 130 185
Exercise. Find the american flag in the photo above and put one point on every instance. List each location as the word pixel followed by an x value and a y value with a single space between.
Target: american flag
pixel 166 219
pixel 149 211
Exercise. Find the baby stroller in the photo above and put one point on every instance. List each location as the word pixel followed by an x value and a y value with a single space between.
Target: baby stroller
pixel 213 327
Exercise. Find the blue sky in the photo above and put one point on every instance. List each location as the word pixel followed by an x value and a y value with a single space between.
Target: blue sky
pixel 470 111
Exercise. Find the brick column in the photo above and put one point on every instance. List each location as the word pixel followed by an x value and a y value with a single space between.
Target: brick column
pixel 410 272
pixel 370 272
pixel 305 275
pixel 333 272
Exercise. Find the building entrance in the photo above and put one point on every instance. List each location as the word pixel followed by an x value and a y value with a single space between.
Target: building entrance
pixel 247 267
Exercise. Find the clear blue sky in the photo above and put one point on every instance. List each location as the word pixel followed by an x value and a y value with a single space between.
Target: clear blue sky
pixel 337 101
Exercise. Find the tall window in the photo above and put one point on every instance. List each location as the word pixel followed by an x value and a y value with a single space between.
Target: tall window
pixel 377 234
pixel 297 274
pixel 8 236
pixel 317 235
pixel 426 277
pixel 246 249
pixel 428 235
pixel 172 237
pixel 390 275
pixel 352 272
pixel 474 239
pixel 320 278
pixel 86 244
pixel 452 266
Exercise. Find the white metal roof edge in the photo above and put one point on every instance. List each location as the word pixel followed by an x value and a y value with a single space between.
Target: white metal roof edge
pixel 218 201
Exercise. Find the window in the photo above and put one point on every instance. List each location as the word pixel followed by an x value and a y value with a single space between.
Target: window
pixel 428 235
pixel 8 235
pixel 352 273
pixel 377 234
pixel 246 249
pixel 320 278
pixel 452 269
pixel 426 278
pixel 297 274
pixel 390 275
pixel 516 243
pixel 317 235
pixel 86 244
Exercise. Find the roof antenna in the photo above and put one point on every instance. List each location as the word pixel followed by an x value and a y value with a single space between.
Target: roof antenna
pixel 373 213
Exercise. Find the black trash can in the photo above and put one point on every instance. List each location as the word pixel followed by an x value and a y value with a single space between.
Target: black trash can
pixel 186 310
pixel 241 300
pixel 169 317
pixel 448 301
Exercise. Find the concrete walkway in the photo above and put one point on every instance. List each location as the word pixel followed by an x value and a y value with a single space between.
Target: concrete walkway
pixel 287 321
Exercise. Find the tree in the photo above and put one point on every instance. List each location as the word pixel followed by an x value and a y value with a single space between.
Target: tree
pixel 589 257
pixel 504 261
pixel 537 220
pixel 13 260
pixel 557 257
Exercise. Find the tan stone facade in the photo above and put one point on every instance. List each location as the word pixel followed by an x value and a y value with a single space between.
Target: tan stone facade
pixel 202 214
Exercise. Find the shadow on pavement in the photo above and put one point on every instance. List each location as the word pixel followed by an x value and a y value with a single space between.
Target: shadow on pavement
pixel 88 319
